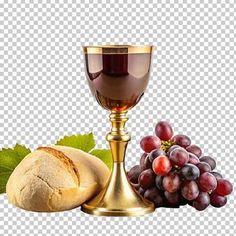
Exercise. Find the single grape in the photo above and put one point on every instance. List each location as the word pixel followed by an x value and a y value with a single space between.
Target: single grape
pixel 147 164
pixel 133 174
pixel 190 172
pixel 154 195
pixel 146 179
pixel 193 159
pixel 217 200
pixel 203 167
pixel 161 165
pixel 202 201
pixel 141 191
pixel 209 160
pixel 172 148
pixel 190 190
pixel 164 130
pixel 172 198
pixel 149 143
pixel 159 182
pixel 217 175
pixel 194 149
pixel 207 182
pixel 171 182
pixel 181 140
pixel 224 187
pixel 142 159
pixel 179 157
pixel 155 153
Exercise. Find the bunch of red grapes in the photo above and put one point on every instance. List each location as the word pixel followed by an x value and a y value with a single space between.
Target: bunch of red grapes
pixel 173 172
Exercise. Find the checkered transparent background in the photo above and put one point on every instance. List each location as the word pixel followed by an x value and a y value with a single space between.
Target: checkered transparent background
pixel 44 95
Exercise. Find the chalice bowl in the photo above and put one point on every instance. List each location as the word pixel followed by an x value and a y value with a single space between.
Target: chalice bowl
pixel 118 76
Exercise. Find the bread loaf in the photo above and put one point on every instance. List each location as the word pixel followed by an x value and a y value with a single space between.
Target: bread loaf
pixel 56 178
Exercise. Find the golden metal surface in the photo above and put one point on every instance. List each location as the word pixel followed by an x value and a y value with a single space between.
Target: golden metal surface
pixel 117 49
pixel 116 81
pixel 118 198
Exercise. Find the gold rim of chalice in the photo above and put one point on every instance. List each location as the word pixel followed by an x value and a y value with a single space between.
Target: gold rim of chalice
pixel 118 49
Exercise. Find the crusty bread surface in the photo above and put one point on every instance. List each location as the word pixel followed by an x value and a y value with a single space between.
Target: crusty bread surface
pixel 56 178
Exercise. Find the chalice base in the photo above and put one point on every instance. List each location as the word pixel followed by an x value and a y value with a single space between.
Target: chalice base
pixel 118 198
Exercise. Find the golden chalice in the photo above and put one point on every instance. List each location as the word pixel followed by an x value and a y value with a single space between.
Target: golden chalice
pixel 118 76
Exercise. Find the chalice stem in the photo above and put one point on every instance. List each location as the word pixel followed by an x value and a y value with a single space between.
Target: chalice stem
pixel 118 198
pixel 118 138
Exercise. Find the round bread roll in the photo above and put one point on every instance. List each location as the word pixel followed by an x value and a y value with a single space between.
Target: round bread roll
pixel 56 178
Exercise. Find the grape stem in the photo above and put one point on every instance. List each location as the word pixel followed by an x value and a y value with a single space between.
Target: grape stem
pixel 165 145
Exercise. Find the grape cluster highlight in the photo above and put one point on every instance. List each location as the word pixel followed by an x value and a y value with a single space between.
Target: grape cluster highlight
pixel 173 172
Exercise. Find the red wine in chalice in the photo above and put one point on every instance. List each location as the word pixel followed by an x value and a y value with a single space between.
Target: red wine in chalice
pixel 118 80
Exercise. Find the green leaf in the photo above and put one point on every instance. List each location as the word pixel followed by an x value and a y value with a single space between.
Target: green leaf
pixel 104 155
pixel 9 159
pixel 3 181
pixel 84 142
